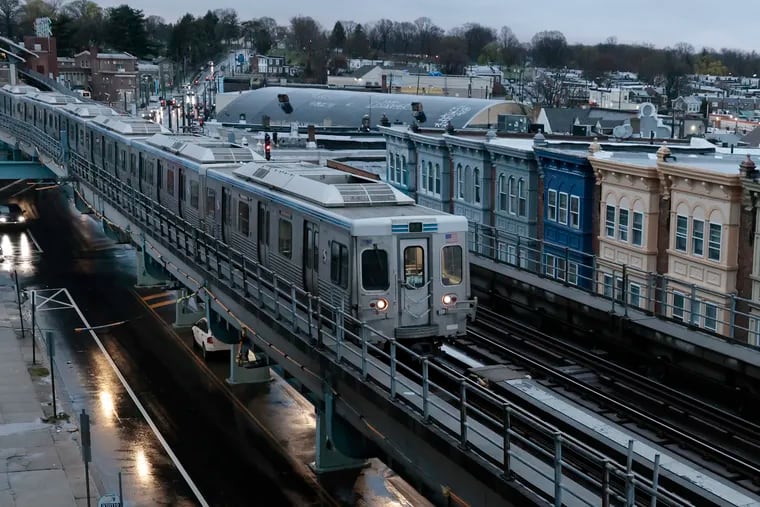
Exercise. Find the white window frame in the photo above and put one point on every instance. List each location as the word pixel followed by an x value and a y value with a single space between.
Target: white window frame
pixel 522 198
pixel 549 261
pixel 512 189
pixel 634 294
pixel 477 198
pixel 624 222
pixel 562 209
pixel 697 238
pixel 678 312
pixel 681 236
pixel 572 273
pixel 460 182
pixel 607 285
pixel 575 212
pixel 438 185
pixel 609 224
pixel 512 255
pixel 713 247
pixel 502 189
pixel 710 322
pixel 423 176
pixel 637 233
pixel 551 205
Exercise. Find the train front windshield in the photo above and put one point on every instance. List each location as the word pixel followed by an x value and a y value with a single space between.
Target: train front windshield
pixel 451 265
pixel 375 269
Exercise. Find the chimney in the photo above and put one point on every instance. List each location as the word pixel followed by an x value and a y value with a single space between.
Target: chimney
pixel 664 152
pixel 748 168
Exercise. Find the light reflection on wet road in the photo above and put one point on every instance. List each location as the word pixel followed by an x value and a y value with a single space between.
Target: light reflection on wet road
pixel 99 274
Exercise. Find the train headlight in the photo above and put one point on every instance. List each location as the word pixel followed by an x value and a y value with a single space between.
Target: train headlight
pixel 379 304
pixel 3 219
pixel 449 299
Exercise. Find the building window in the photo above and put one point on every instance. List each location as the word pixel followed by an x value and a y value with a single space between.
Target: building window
pixel 512 254
pixel 437 179
pixel 711 316
pixel 423 176
pixel 391 167
pixel 285 238
pixel 563 208
pixel 522 196
pixel 398 168
pixel 460 181
pixel 404 171
pixel 512 196
pixel 502 193
pixel 682 228
pixel 638 228
pixel 431 177
pixel 623 225
pixel 549 261
pixel 634 295
pixel 572 273
pixel 552 206
pixel 698 237
pixel 476 179
pixel 713 249
pixel 679 301
pixel 609 221
pixel 607 285
pixel 575 212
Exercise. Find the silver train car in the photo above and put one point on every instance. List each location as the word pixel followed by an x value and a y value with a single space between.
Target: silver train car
pixel 357 243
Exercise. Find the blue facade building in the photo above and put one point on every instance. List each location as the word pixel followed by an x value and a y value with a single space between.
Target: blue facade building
pixel 568 210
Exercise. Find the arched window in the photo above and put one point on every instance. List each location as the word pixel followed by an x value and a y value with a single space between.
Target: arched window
pixel 522 198
pixel 404 171
pixel 512 195
pixel 423 175
pixel 468 183
pixel 476 182
pixel 437 179
pixel 431 177
pixel 391 166
pixel 501 188
pixel 460 181
pixel 398 168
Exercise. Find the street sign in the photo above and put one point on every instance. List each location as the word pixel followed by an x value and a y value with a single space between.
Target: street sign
pixel 109 501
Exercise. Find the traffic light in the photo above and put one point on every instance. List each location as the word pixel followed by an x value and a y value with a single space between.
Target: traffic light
pixel 267 147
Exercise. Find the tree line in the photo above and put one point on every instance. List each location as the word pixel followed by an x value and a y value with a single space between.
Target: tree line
pixel 193 40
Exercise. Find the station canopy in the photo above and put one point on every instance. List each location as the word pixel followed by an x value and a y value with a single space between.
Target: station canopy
pixel 343 108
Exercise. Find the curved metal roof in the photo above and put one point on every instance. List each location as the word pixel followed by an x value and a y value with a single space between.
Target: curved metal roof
pixel 324 107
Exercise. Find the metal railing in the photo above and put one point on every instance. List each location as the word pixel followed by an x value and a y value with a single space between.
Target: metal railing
pixel 625 287
pixel 505 438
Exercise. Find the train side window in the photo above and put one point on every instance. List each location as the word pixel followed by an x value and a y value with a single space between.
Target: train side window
pixel 451 265
pixel 123 160
pixel 244 216
pixel 339 264
pixel 210 202
pixel 414 267
pixel 194 194
pixel 375 269
pixel 170 181
pixel 285 238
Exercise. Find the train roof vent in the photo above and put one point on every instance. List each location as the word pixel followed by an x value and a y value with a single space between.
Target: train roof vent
pixel 367 193
pixel 55 98
pixel 322 185
pixel 20 89
pixel 89 110
pixel 129 126
pixel 203 150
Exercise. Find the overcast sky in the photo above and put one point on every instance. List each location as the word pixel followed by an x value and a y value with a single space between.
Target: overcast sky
pixel 663 23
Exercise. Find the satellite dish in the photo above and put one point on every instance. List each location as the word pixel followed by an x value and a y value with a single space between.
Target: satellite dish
pixel 648 110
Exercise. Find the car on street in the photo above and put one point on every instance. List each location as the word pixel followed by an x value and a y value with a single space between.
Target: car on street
pixel 206 341
pixel 12 215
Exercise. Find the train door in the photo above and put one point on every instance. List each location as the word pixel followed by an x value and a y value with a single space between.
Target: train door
pixel 262 231
pixel 311 257
pixel 181 191
pixel 414 292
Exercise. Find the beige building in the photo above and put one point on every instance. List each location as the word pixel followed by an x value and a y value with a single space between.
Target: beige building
pixel 629 217
pixel 678 218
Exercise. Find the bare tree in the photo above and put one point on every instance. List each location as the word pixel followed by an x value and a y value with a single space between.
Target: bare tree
pixel 10 10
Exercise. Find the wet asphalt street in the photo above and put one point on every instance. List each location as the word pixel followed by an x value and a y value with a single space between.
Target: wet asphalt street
pixel 223 458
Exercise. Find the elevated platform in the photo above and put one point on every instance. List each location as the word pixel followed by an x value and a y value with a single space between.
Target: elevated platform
pixel 21 170
pixel 733 364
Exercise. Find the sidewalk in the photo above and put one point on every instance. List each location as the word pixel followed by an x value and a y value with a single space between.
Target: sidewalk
pixel 40 463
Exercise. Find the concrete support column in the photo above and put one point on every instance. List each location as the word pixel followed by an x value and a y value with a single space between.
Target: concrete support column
pixel 328 457
pixel 186 313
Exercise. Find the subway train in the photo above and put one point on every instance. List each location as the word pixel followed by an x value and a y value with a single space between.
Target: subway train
pixel 357 243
